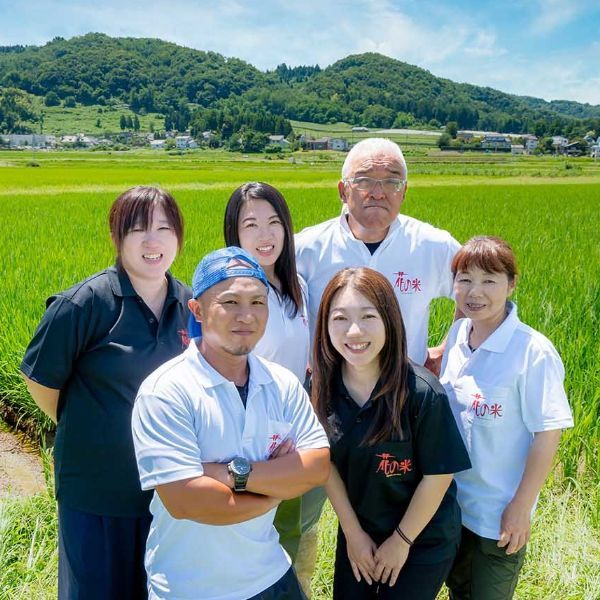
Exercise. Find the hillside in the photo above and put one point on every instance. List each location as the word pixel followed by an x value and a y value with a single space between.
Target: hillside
pixel 151 75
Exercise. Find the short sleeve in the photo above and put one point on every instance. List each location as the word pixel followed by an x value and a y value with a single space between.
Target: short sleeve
pixel 306 429
pixel 57 342
pixel 544 403
pixel 447 281
pixel 166 445
pixel 438 444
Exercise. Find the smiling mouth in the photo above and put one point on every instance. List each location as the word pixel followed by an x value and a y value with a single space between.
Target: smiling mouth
pixel 474 306
pixel 358 347
pixel 266 249
pixel 154 256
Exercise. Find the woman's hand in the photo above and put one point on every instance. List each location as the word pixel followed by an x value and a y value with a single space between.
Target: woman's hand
pixel 361 550
pixel 515 527
pixel 390 558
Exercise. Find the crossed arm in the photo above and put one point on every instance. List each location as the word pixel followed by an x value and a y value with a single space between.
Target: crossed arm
pixel 210 499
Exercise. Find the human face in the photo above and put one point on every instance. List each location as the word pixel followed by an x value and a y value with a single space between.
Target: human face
pixel 482 296
pixel 370 213
pixel 233 314
pixel 261 233
pixel 356 329
pixel 148 253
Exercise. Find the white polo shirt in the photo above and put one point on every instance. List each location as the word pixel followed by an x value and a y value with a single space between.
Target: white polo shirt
pixel 501 394
pixel 286 339
pixel 414 256
pixel 185 414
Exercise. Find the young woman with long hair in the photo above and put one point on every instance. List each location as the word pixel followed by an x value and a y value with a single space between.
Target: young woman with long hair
pixel 394 446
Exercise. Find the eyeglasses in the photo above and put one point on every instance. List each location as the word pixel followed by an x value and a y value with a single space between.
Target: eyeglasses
pixel 389 185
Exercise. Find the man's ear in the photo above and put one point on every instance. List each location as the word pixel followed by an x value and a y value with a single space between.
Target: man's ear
pixel 196 309
pixel 342 191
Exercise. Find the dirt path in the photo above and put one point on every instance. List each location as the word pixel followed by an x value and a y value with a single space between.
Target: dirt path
pixel 21 472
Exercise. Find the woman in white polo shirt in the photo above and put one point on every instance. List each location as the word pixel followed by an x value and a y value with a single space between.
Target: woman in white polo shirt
pixel 505 384
pixel 258 220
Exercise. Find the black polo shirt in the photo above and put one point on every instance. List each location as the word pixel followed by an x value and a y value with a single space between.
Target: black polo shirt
pixel 381 479
pixel 96 343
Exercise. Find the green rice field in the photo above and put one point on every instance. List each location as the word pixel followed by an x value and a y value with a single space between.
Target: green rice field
pixel 53 227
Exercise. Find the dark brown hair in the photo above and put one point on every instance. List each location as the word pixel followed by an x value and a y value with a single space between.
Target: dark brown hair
pixel 490 254
pixel 393 358
pixel 285 265
pixel 135 207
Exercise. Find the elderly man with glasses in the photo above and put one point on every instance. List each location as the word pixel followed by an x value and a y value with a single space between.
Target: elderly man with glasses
pixel 370 232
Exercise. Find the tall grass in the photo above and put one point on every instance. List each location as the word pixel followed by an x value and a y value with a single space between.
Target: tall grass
pixel 54 232
pixel 562 563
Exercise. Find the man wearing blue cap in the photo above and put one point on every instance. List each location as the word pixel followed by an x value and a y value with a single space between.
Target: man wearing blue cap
pixel 222 436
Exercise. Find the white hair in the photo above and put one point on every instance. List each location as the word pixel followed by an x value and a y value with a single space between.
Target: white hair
pixel 374 146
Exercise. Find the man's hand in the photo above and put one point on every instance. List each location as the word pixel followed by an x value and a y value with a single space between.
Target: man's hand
pixel 515 527
pixel 390 558
pixel 286 447
pixel 433 362
pixel 361 551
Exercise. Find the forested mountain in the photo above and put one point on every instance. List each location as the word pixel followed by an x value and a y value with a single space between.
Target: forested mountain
pixel 367 89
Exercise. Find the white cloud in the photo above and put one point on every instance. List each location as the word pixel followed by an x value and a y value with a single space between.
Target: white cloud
pixel 554 14
pixel 437 36
pixel 484 45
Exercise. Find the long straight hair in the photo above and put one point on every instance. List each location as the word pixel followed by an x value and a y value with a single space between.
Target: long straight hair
pixel 285 265
pixel 393 358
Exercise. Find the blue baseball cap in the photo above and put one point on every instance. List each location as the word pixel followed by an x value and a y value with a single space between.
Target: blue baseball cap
pixel 223 264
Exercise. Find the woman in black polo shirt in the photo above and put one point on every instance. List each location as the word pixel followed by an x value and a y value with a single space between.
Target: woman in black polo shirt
pixel 96 343
pixel 394 446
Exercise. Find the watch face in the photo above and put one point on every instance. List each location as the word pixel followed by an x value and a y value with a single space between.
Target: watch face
pixel 240 466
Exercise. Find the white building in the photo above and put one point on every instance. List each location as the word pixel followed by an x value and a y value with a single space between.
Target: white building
pixel 28 140
pixel 278 140
pixel 338 144
pixel 185 142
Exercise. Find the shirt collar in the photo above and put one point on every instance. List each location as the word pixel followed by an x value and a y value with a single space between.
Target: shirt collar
pixel 119 281
pixel 499 339
pixel 210 377
pixel 348 232
pixel 121 285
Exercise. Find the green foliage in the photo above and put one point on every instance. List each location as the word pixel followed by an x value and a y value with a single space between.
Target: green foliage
pixel 444 140
pixel 150 75
pixel 52 99
pixel 17 113
pixel 452 129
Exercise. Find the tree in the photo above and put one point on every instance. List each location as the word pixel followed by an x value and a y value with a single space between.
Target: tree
pixel 123 122
pixel 69 102
pixel 444 140
pixel 452 129
pixel 52 99
pixel 98 123
pixel 136 123
pixel 129 122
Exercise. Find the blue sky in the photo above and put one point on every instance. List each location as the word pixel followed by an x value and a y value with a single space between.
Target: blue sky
pixel 544 48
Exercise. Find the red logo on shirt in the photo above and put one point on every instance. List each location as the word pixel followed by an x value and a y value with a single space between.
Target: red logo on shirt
pixel 185 338
pixel 275 440
pixel 480 408
pixel 407 284
pixel 390 467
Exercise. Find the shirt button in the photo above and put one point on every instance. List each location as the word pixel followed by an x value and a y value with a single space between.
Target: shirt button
pixel 358 420
pixel 151 320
